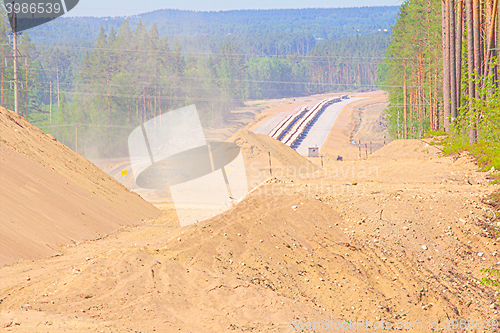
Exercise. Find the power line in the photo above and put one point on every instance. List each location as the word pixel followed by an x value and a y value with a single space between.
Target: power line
pixel 148 96
pixel 219 53
pixel 89 125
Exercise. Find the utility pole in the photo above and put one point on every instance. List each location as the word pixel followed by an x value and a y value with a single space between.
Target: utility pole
pixel 76 139
pixel 15 56
pixel 144 103
pixel 16 92
pixel 58 94
pixel 26 97
pixel 159 100
pixel 109 101
pixel 50 93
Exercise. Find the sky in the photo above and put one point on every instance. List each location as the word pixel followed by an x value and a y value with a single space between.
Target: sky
pixel 103 8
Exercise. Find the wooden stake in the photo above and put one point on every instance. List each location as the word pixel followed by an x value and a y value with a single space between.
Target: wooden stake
pixel 270 166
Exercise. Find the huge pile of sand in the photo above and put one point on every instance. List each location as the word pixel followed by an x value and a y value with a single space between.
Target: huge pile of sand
pixel 50 195
pixel 285 162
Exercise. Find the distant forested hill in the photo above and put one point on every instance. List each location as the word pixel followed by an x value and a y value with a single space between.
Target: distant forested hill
pixel 324 23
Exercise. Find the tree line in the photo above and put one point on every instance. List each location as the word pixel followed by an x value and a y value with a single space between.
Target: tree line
pixel 441 70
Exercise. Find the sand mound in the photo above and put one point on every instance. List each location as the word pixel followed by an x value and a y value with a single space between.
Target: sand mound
pixel 239 271
pixel 51 195
pixel 408 149
pixel 285 162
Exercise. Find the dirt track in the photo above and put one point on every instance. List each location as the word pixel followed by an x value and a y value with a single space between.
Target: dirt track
pixel 398 237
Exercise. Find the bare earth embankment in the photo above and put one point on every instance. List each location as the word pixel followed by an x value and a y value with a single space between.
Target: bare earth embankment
pixel 50 195
pixel 397 237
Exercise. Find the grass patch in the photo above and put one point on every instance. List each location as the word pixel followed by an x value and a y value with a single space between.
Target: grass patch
pixel 435 133
pixel 486 155
pixel 496 199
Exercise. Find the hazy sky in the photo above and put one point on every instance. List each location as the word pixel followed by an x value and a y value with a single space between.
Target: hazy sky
pixel 130 7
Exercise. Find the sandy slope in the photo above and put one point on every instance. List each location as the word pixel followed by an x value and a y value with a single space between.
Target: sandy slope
pixel 50 196
pixel 400 236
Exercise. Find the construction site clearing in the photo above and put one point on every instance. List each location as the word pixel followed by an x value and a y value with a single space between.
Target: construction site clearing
pixel 398 235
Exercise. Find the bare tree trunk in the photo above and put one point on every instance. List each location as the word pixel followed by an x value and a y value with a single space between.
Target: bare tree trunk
pixel 436 111
pixel 482 45
pixel 476 25
pixel 405 107
pixel 451 63
pixel 497 45
pixel 458 52
pixel 493 19
pixel 446 67
pixel 412 108
pixel 470 67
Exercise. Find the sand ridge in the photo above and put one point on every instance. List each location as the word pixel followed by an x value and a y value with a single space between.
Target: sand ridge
pixel 50 195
